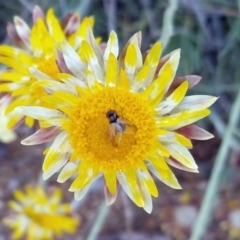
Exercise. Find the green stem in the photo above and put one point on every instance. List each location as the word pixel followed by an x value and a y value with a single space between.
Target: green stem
pixel 102 214
pixel 205 214
pixel 40 180
pixel 168 18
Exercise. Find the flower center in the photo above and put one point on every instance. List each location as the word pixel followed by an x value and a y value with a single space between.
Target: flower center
pixel 111 145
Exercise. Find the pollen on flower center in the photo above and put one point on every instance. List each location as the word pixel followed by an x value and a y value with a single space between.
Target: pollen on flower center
pixel 89 129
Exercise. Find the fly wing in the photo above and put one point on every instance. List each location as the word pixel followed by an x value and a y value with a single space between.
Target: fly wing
pixel 129 127
pixel 114 135
pixel 112 131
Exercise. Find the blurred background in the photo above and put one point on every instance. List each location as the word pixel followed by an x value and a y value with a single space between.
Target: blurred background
pixel 208 33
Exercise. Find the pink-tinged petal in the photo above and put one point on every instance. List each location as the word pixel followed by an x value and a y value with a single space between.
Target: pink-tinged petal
pixel 5 100
pixel 61 63
pixel 64 21
pixel 23 30
pixel 71 24
pixel 41 136
pixel 13 35
pixel 103 46
pixel 19 123
pixel 194 132
pixel 37 13
pixel 197 102
pixel 173 162
pixel 110 199
pixel 192 81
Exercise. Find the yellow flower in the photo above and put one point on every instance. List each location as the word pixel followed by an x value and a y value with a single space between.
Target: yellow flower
pixel 39 216
pixel 6 135
pixel 121 116
pixel 35 47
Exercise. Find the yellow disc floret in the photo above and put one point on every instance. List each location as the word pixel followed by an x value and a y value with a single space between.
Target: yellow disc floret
pixel 89 129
